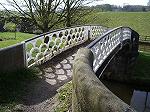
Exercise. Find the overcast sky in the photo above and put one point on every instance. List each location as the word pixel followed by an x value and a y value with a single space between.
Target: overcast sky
pixel 121 2
pixel 98 2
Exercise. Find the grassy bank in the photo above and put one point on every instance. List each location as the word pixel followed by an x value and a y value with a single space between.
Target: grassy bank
pixel 8 38
pixel 139 21
pixel 142 68
pixel 64 98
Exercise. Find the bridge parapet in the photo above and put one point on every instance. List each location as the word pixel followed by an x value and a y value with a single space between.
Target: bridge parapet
pixel 89 94
pixel 113 40
pixel 44 47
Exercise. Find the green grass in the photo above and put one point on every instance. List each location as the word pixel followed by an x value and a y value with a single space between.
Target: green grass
pixel 64 98
pixel 139 21
pixel 9 38
pixel 142 68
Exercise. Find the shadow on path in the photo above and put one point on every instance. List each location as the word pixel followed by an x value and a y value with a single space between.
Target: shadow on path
pixel 53 74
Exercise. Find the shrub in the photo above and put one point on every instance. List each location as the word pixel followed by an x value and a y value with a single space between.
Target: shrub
pixel 37 31
pixel 10 27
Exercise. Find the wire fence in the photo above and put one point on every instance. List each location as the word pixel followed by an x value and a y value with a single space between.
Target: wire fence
pixel 144 43
pixel 144 38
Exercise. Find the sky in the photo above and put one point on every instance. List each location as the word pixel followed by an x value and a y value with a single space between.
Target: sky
pixel 121 2
pixel 98 2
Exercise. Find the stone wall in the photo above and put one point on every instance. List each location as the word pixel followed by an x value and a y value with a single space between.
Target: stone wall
pixel 89 93
pixel 12 58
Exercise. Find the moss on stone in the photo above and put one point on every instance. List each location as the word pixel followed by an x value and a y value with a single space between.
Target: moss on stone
pixel 89 93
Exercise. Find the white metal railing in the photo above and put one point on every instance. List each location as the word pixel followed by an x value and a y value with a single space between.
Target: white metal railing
pixel 103 46
pixel 44 47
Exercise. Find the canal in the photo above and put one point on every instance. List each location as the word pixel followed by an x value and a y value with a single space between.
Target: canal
pixel 136 97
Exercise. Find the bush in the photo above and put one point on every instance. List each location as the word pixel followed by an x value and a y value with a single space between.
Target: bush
pixel 37 31
pixel 10 27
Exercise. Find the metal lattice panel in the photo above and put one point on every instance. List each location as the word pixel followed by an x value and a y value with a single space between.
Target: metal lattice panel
pixel 97 31
pixel 102 47
pixel 44 47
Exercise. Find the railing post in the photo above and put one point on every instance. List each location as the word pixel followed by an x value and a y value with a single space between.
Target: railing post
pixel 12 58
pixel 89 32
pixel 24 54
pixel 121 36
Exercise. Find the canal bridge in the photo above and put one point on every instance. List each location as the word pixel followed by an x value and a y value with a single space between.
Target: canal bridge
pixel 102 46
pixel 54 53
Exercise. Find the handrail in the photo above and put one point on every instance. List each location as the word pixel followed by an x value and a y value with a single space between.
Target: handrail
pixel 56 30
pixel 105 34
pixel 42 48
pixel 106 43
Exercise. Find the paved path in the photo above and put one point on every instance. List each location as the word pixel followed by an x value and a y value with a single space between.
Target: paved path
pixel 53 75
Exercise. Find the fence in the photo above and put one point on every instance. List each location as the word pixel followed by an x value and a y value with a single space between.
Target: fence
pixel 144 43
pixel 44 47
pixel 144 38
pixel 103 46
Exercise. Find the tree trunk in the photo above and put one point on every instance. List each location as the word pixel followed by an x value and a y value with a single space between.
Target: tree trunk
pixel 45 28
pixel 68 18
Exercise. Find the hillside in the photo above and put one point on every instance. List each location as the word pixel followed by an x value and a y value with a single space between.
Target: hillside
pixel 139 21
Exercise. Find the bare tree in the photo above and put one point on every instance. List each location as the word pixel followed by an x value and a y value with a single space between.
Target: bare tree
pixel 43 13
pixel 75 10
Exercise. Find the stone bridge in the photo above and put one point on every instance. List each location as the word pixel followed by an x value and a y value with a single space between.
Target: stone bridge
pixel 107 51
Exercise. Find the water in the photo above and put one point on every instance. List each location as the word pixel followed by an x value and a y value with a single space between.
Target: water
pixel 136 97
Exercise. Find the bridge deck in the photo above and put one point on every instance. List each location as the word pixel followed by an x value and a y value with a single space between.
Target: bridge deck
pixel 53 75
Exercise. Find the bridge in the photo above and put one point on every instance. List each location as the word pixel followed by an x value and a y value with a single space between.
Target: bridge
pixel 89 93
pixel 54 52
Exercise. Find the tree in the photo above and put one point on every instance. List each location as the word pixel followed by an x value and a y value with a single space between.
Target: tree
pixel 43 13
pixel 74 10
pixel 148 4
pixel 143 9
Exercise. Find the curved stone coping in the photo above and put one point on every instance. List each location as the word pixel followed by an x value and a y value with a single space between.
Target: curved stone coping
pixel 89 93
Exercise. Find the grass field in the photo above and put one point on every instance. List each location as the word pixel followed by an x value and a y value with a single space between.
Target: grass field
pixel 9 38
pixel 139 21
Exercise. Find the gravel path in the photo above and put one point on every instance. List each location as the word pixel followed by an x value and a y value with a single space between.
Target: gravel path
pixel 54 74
